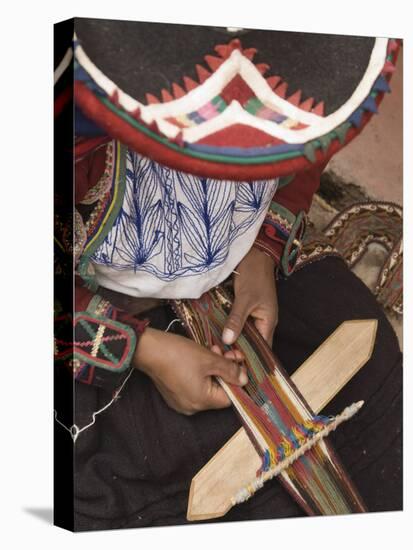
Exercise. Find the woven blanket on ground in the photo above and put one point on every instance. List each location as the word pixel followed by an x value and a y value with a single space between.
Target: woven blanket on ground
pixel 280 424
pixel 350 234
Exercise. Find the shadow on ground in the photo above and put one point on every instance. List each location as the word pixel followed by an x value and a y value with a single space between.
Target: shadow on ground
pixel 44 514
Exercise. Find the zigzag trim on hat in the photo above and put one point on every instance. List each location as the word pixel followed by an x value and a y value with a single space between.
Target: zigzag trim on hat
pixel 238 119
pixel 225 70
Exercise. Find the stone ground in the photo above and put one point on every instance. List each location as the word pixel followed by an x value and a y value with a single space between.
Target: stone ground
pixel 371 167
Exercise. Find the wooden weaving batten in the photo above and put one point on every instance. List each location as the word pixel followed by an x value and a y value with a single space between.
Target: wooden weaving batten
pixel 319 379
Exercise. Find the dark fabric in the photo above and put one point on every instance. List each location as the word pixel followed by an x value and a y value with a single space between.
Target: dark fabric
pixel 142 57
pixel 134 466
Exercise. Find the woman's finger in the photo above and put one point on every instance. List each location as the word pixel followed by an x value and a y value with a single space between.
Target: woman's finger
pixel 234 354
pixel 216 349
pixel 217 398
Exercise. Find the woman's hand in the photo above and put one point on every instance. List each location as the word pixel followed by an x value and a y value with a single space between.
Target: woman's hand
pixel 255 296
pixel 183 371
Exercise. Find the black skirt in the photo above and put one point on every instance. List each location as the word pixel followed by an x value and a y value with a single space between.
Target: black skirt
pixel 134 466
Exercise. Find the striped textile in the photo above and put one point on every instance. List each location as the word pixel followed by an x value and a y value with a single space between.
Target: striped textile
pixel 278 421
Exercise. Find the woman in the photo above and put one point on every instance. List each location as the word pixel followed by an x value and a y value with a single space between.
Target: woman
pixel 162 218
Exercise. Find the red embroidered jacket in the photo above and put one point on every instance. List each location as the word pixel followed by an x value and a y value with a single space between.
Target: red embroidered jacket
pixel 100 348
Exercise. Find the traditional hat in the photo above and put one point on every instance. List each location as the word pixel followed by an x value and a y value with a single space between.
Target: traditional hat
pixel 238 104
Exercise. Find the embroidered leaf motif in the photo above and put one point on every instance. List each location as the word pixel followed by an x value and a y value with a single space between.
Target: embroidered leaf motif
pixel 138 228
pixel 252 199
pixel 173 224
pixel 250 196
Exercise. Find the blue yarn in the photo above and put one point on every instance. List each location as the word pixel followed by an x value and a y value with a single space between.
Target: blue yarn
pixel 266 461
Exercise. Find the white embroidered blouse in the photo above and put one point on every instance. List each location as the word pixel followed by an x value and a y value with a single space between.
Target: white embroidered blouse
pixel 178 235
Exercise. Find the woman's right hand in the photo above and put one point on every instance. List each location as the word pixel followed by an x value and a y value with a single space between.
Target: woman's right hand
pixel 183 371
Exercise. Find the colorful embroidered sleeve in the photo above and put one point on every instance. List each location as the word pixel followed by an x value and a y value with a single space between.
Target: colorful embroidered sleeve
pixel 283 229
pixel 98 342
pixel 93 340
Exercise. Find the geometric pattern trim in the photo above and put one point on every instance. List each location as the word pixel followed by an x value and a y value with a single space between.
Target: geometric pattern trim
pixel 103 342
pixel 234 123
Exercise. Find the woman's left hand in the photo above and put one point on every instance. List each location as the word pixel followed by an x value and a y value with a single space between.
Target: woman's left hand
pixel 255 296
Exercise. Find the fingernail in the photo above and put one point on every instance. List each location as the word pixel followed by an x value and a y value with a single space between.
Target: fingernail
pixel 228 336
pixel 243 378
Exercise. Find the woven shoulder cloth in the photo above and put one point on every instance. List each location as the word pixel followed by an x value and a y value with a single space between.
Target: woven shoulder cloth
pixel 287 435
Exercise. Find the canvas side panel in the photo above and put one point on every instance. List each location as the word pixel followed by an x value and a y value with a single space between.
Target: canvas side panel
pixel 63 274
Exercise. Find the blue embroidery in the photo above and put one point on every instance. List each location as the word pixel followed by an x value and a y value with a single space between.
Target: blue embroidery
pixel 173 224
